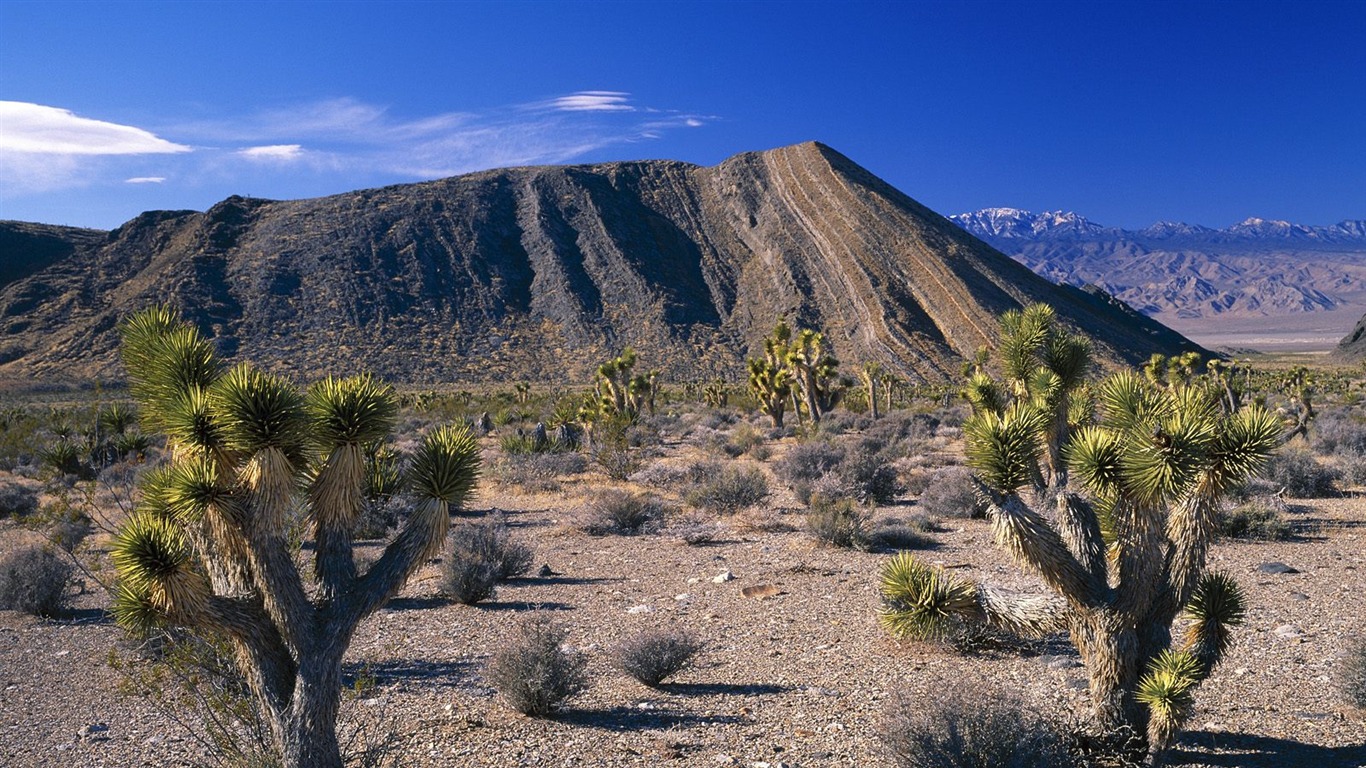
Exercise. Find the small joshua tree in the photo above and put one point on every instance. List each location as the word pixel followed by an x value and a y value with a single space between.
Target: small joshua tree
pixel 770 380
pixel 208 547
pixel 1125 560
pixel 872 373
pixel 621 394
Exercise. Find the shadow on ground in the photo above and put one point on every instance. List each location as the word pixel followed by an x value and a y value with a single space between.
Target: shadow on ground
pixel 1245 750
pixel 632 718
pixel 440 674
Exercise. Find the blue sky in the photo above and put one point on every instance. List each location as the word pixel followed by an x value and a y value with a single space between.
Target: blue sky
pixel 1126 113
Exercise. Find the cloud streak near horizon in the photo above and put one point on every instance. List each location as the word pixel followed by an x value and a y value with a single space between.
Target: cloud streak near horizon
pixel 344 142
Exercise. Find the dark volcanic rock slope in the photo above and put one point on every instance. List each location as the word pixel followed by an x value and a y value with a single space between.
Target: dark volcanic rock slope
pixel 539 273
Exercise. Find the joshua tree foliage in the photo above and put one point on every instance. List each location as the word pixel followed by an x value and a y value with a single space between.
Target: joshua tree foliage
pixel 209 550
pixel 1125 560
pixel 770 380
pixel 1045 368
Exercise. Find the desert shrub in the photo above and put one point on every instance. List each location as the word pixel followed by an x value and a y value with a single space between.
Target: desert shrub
pixel 1301 474
pixel 537 472
pixel 622 513
pixel 1339 433
pixel 731 490
pixel 469 576
pixel 1258 518
pixel 897 533
pixel 837 522
pixel 481 555
pixel 842 421
pixel 805 464
pixel 611 449
pixel 900 427
pixel 492 540
pixel 1352 676
pixel 532 669
pixel 17 499
pixel 950 493
pixel 694 530
pixel 865 474
pixel 969 727
pixel 33 580
pixel 69 527
pixel 653 656
pixel 744 439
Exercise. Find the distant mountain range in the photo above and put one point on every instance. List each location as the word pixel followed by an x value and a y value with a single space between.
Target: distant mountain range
pixel 1174 271
pixel 540 273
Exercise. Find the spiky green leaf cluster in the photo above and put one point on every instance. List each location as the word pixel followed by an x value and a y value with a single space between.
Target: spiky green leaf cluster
pixel 920 601
pixel 446 466
pixel 352 411
pixel 259 410
pixel 1168 687
pixel 1004 448
pixel 148 550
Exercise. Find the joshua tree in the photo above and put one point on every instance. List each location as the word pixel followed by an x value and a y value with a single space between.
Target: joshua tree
pixel 1300 385
pixel 872 374
pixel 1125 560
pixel 770 380
pixel 208 547
pixel 522 390
pixel 620 393
pixel 816 373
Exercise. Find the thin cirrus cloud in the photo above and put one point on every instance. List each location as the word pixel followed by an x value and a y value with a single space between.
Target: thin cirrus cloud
pixel 342 143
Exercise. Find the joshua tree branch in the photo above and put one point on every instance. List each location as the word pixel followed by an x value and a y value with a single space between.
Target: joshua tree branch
pixel 1037 546
pixel 272 669
pixel 1022 614
pixel 1080 529
pixel 387 575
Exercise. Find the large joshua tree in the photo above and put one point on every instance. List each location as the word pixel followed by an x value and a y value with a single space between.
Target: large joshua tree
pixel 208 547
pixel 1125 560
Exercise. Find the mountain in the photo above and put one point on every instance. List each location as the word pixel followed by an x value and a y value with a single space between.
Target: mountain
pixel 542 272
pixel 27 248
pixel 1174 271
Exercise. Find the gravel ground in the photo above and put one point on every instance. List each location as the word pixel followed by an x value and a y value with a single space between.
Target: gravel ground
pixel 798 678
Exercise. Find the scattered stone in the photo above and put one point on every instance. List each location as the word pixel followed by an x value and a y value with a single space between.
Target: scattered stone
pixel 684 596
pixel 1299 596
pixel 95 732
pixel 761 591
pixel 1061 662
pixel 1276 568
pixel 639 609
pixel 1288 631
pixel 723 577
pixel 545 572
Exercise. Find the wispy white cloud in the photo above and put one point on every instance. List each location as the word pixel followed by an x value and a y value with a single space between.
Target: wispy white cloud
pixel 593 101
pixel 336 144
pixel 37 129
pixel 273 152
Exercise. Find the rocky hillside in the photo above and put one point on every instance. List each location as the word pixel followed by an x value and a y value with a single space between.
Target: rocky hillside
pixel 540 272
pixel 27 248
pixel 1174 271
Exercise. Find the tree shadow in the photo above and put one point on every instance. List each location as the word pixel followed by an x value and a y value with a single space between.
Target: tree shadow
pixel 95 616
pixel 1246 750
pixel 631 718
pixel 723 689
pixel 443 674
pixel 568 581
pixel 415 603
pixel 523 605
